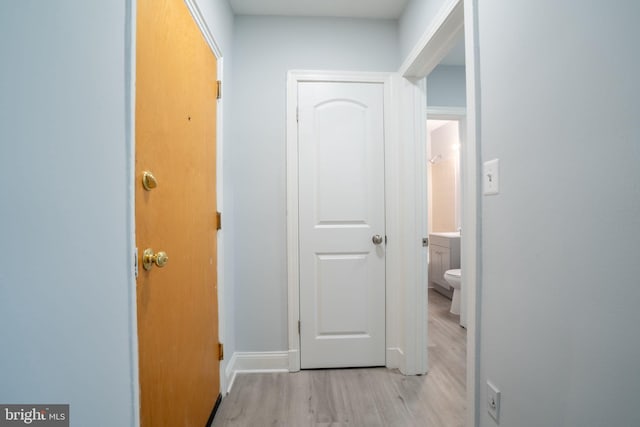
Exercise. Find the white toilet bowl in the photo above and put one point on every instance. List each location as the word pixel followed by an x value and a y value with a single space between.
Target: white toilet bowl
pixel 453 277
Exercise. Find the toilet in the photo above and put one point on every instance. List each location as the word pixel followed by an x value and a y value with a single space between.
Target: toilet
pixel 453 278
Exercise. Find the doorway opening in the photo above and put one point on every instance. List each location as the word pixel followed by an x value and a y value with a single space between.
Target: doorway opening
pixel 455 19
pixel 446 305
pixel 443 204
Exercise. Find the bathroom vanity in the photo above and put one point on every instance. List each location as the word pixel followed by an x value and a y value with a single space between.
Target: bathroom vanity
pixel 444 254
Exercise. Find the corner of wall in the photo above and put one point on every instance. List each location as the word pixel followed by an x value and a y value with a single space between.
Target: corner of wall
pixel 253 362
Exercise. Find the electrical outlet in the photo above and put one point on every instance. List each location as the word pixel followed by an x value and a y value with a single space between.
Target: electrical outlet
pixel 493 401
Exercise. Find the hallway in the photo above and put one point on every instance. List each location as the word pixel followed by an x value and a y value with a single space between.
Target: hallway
pixel 360 397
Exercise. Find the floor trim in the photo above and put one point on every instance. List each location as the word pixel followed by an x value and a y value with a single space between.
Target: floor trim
pixel 252 362
pixel 395 358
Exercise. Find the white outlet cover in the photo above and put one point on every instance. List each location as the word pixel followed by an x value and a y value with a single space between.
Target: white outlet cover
pixel 493 401
pixel 491 177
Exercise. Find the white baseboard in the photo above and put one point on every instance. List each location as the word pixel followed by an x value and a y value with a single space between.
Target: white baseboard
pixel 395 358
pixel 294 360
pixel 279 361
pixel 253 362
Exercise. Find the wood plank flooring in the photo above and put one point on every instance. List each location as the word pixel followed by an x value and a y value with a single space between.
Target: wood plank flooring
pixel 364 397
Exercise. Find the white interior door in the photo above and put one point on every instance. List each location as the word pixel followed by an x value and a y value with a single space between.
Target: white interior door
pixel 341 214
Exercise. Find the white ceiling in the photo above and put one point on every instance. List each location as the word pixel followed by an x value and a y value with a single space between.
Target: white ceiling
pixel 389 9
pixel 386 9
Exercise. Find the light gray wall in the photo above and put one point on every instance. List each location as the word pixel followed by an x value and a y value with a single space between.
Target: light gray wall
pixel 414 23
pixel 446 87
pixel 219 17
pixel 560 283
pixel 265 49
pixel 66 281
pixel 220 20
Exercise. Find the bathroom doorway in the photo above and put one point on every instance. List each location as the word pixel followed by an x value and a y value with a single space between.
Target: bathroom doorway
pixel 444 200
pixel 446 133
pixel 455 18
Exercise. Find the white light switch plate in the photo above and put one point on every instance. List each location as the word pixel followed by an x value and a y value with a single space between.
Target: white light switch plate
pixel 491 177
pixel 493 401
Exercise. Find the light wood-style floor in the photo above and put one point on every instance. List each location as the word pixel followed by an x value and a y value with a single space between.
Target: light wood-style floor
pixel 360 397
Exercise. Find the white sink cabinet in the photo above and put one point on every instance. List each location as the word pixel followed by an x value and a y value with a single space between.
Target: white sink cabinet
pixel 444 254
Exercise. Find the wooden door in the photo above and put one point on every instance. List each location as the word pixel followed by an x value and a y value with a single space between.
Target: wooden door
pixel 342 224
pixel 175 141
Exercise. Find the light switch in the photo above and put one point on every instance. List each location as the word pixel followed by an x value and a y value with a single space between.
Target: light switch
pixel 493 401
pixel 491 177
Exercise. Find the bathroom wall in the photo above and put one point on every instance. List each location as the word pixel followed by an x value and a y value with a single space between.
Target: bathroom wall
pixel 443 178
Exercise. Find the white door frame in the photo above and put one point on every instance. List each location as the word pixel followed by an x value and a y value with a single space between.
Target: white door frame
pixel 454 17
pixel 293 274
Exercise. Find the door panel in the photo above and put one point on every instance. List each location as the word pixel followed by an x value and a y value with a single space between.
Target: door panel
pixel 341 278
pixel 341 207
pixel 175 140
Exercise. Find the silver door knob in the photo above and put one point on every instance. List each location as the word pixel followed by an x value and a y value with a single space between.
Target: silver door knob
pixel 377 239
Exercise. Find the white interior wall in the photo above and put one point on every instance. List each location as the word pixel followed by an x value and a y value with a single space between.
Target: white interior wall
pixel 560 288
pixel 265 48
pixel 415 21
pixel 66 283
pixel 446 87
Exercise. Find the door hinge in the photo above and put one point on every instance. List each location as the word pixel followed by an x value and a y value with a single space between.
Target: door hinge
pixel 218 221
pixel 220 351
pixel 297 114
pixel 298 327
pixel 218 89
pixel 425 242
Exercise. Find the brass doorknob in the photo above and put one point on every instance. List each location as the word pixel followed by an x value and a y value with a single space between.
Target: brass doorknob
pixel 149 258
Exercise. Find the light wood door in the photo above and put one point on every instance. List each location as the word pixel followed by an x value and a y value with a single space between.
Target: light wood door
pixel 341 209
pixel 175 140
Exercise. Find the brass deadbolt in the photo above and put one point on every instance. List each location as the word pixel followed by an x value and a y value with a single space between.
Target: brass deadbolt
pixel 149 182
pixel 149 258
